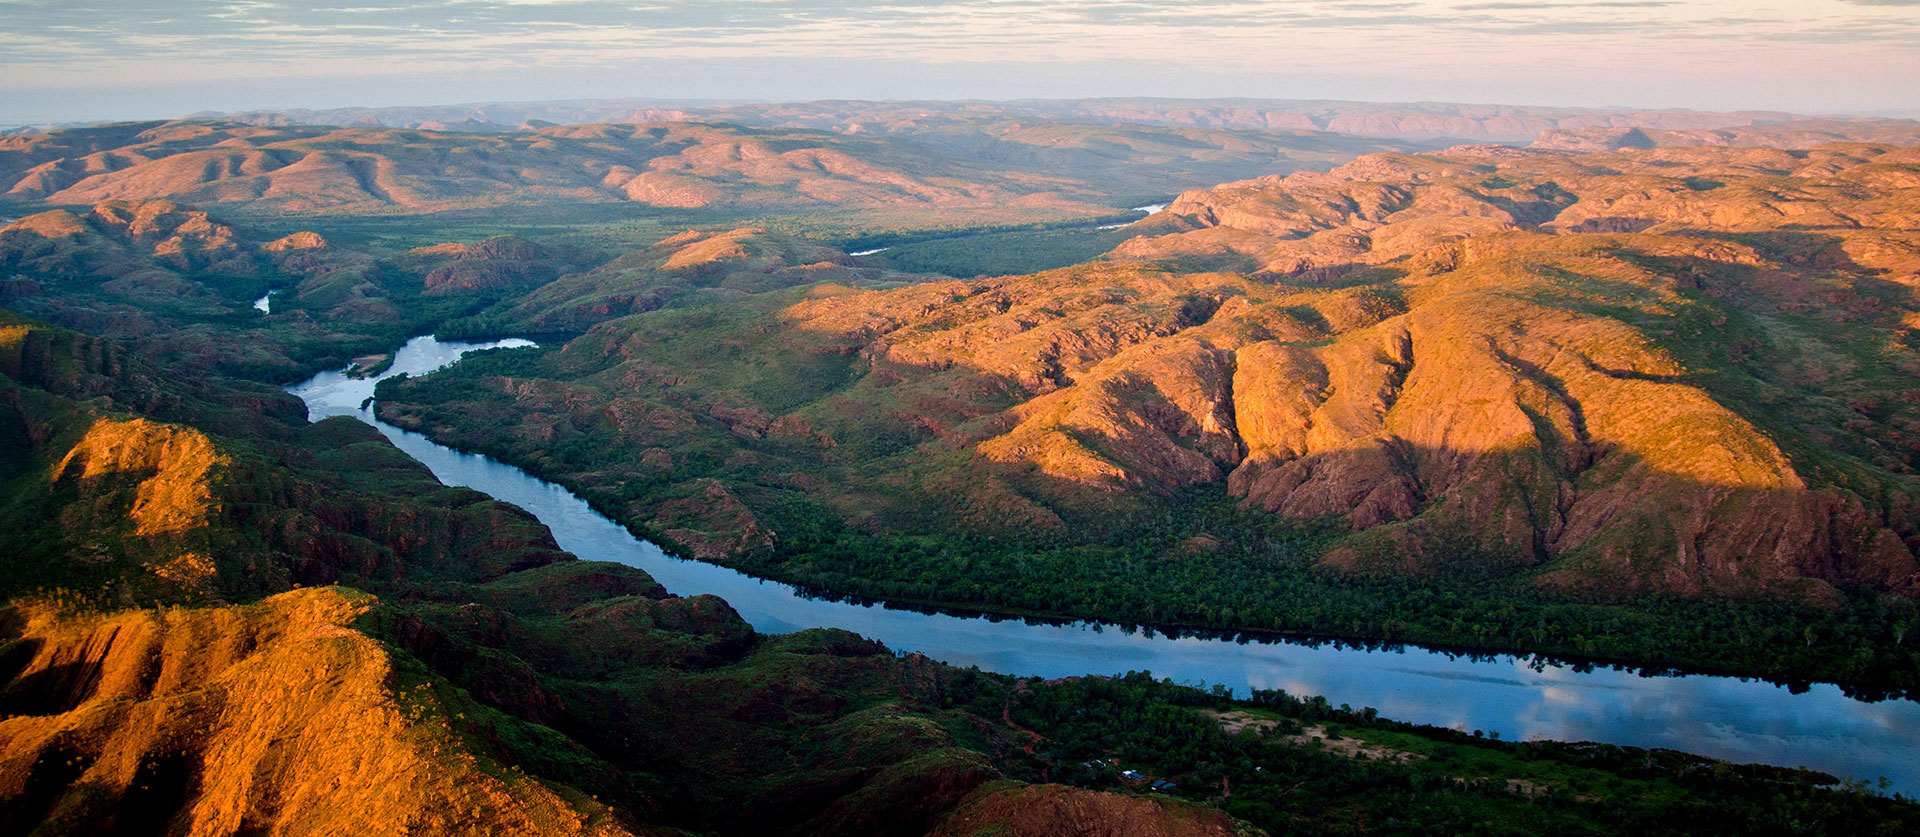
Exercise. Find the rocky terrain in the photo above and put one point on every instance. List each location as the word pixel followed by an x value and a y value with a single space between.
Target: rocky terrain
pixel 1660 375
pixel 1426 122
pixel 1537 357
pixel 1033 161
pixel 1641 393
pixel 180 284
pixel 163 673
pixel 276 716
pixel 1001 170
pixel 1795 134
pixel 220 619
pixel 688 268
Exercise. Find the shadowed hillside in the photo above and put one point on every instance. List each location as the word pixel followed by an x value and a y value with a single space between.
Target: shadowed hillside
pixel 163 672
pixel 157 677
pixel 1674 373
pixel 183 286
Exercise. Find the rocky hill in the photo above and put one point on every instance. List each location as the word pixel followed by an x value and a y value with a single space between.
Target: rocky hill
pixel 221 619
pixel 1460 350
pixel 162 672
pixel 184 286
pixel 1417 121
pixel 178 655
pixel 276 716
pixel 306 169
pixel 1677 373
pixel 685 269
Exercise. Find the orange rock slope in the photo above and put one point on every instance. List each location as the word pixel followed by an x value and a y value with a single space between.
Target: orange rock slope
pixel 1680 370
pixel 718 265
pixel 162 672
pixel 313 169
pixel 275 717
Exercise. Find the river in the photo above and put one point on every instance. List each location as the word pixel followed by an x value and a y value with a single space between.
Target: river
pixel 1723 717
pixel 1148 208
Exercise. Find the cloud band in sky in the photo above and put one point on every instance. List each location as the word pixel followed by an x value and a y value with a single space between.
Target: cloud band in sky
pixel 1808 55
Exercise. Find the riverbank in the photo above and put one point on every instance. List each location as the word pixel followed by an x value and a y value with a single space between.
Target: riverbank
pixel 1520 698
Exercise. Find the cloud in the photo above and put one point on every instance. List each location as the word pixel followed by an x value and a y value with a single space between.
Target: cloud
pixel 1456 675
pixel 1566 51
pixel 1549 7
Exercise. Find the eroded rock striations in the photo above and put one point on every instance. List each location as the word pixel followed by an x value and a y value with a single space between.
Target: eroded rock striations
pixel 1677 370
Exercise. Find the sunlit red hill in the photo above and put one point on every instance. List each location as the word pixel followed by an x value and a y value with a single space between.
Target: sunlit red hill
pixel 179 655
pixel 1029 171
pixel 1678 370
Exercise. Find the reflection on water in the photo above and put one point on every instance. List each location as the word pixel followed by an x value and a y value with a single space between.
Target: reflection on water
pixel 1147 208
pixel 1716 716
pixel 337 394
pixel 264 304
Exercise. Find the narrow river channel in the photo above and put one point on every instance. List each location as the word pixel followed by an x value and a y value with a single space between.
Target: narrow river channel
pixel 1723 717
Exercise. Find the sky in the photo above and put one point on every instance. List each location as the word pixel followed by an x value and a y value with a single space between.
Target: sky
pixel 79 60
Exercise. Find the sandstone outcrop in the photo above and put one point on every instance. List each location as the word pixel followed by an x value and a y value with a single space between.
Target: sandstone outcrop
pixel 1678 370
pixel 276 716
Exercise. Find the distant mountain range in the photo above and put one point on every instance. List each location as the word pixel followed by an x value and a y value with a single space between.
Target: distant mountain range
pixel 1436 122
pixel 1044 170
pixel 1641 392
pixel 1033 160
pixel 1417 121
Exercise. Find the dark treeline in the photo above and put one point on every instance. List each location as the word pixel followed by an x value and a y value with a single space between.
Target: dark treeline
pixel 1298 765
pixel 1264 579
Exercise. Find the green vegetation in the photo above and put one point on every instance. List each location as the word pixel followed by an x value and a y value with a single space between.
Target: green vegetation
pixel 1263 578
pixel 1673 448
pixel 997 253
pixel 1297 765
pixel 1202 563
pixel 1197 561
pixel 609 226
pixel 716 399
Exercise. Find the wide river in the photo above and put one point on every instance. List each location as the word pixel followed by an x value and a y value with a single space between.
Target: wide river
pixel 1723 717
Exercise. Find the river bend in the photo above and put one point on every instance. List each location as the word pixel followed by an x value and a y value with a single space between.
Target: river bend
pixel 1723 717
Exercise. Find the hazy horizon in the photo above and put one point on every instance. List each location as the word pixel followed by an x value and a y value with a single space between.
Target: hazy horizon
pixel 138 59
pixel 695 104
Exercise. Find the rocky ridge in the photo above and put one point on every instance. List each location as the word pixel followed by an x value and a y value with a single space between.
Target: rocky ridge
pixel 1617 370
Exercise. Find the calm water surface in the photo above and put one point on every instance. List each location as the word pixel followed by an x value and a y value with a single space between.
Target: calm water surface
pixel 1723 717
pixel 1148 208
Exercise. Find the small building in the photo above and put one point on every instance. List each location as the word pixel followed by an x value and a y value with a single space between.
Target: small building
pixel 1134 775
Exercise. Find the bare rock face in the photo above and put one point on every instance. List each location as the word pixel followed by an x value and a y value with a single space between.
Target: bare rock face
pixel 127 240
pixel 304 240
pixel 276 716
pixel 1486 352
pixel 167 469
pixel 300 168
